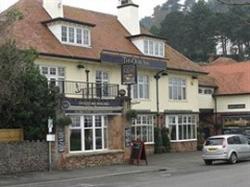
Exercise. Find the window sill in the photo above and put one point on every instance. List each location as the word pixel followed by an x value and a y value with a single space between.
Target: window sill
pixel 178 101
pixel 149 143
pixel 93 153
pixel 76 45
pixel 140 100
pixel 177 141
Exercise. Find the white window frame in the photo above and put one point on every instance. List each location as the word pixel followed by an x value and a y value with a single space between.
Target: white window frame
pixel 153 48
pixel 178 85
pixel 144 83
pixel 102 81
pixel 59 79
pixel 84 30
pixel 184 124
pixel 139 123
pixel 206 91
pixel 104 126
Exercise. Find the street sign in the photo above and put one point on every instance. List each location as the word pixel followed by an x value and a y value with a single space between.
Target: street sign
pixel 51 138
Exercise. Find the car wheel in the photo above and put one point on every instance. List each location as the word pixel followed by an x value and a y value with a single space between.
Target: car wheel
pixel 208 162
pixel 233 158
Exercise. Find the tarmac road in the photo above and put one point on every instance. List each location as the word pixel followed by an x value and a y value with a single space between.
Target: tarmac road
pixel 170 170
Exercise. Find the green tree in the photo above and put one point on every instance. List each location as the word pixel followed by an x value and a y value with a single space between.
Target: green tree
pixel 26 101
pixel 175 28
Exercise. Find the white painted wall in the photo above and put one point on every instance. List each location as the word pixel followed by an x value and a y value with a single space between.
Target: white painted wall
pixel 54 8
pixel 129 18
pixel 206 101
pixel 224 101
pixel 72 73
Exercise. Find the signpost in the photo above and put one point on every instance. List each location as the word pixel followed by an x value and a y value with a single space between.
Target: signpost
pixel 50 138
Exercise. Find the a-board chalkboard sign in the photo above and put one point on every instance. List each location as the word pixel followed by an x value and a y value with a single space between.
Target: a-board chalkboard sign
pixel 138 152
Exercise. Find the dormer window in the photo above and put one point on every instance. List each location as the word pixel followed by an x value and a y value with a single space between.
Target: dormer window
pixel 149 44
pixel 70 32
pixel 76 36
pixel 153 48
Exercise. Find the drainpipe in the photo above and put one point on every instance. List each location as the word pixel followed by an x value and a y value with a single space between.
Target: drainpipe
pixel 157 77
pixel 87 80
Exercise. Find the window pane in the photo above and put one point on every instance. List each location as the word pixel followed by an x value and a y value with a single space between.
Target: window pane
pixel 75 122
pixel 88 121
pixel 98 121
pixel 64 34
pixel 172 130
pixel 61 71
pixel 144 134
pixel 98 138
pixel 161 49
pixel 79 36
pixel 75 140
pixel 180 132
pixel 44 70
pixel 71 35
pixel 146 46
pixel 52 71
pixel 88 134
pixel 156 48
pixel 151 47
pixel 86 37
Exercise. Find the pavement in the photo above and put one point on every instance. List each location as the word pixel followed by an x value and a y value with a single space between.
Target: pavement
pixel 161 167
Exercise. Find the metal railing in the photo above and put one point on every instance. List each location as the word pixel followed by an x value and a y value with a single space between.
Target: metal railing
pixel 87 90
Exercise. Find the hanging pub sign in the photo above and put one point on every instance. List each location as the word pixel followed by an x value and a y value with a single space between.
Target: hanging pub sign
pixel 129 74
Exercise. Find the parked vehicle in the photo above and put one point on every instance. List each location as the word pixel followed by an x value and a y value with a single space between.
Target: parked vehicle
pixel 231 148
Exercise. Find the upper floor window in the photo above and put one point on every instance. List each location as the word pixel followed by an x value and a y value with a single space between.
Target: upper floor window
pixel 153 48
pixel 102 86
pixel 55 75
pixel 177 89
pixel 206 91
pixel 75 35
pixel 141 89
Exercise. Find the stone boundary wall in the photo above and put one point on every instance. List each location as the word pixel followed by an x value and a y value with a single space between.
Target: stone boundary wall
pixel 23 157
pixel 77 161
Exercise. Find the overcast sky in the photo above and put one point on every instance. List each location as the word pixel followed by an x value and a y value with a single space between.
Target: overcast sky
pixel 107 6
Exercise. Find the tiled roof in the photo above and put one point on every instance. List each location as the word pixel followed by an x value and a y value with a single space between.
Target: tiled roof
pixel 231 78
pixel 108 34
pixel 206 80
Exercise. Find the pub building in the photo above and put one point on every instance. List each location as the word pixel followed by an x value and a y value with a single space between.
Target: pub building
pixel 86 54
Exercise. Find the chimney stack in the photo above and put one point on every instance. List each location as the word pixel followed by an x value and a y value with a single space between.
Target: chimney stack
pixel 128 15
pixel 54 8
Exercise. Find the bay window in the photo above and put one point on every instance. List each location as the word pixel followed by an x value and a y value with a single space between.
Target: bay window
pixel 182 127
pixel 88 133
pixel 143 128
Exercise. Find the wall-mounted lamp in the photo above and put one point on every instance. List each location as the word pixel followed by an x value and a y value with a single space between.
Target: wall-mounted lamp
pixel 80 66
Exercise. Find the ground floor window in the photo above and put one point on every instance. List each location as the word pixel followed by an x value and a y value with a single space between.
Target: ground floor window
pixel 143 128
pixel 182 127
pixel 88 133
